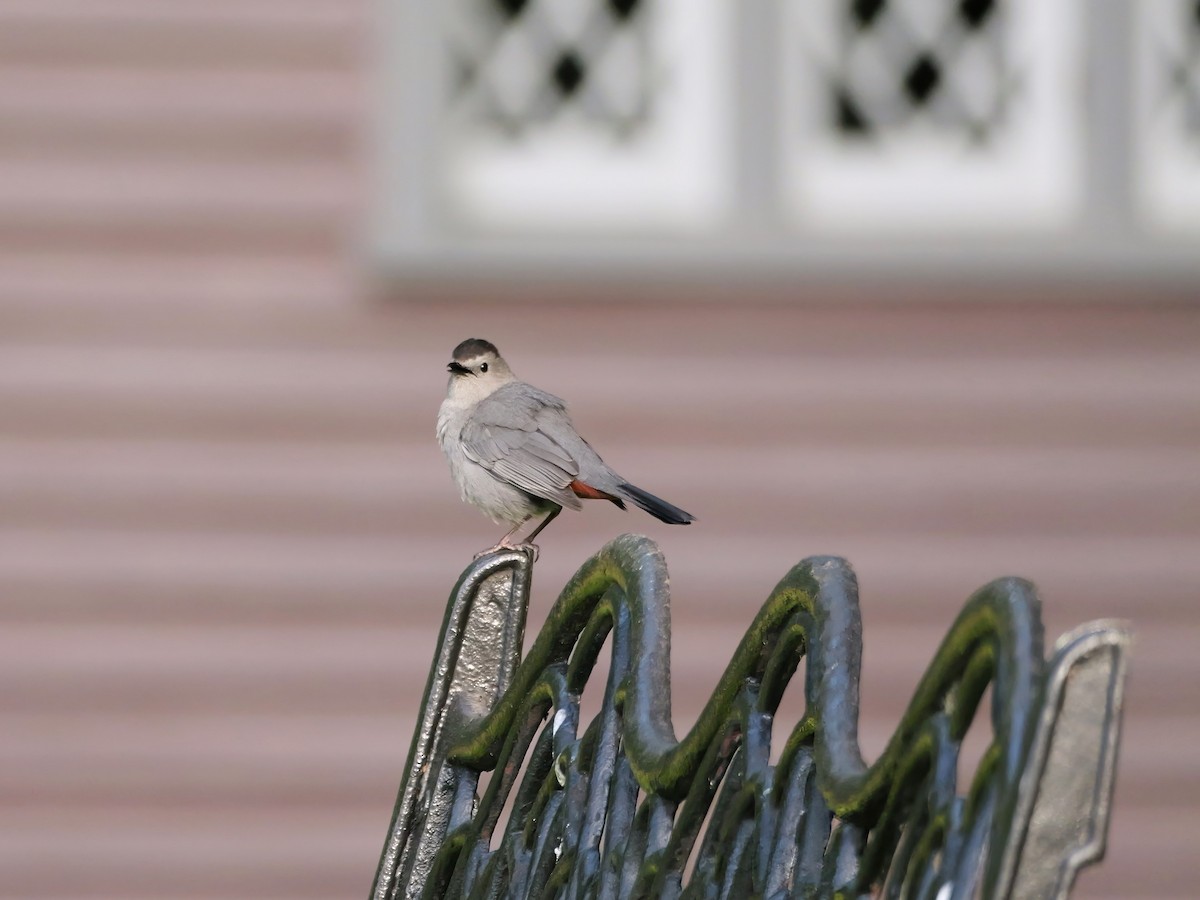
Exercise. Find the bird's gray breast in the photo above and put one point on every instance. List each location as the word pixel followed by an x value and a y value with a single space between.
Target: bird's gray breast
pixel 478 481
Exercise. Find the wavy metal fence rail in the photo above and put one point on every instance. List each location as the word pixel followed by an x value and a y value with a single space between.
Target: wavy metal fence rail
pixel 615 807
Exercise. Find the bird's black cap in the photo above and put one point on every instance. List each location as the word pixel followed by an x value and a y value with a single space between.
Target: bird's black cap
pixel 473 347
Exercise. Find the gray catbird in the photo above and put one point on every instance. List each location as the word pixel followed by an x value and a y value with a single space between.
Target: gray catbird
pixel 514 452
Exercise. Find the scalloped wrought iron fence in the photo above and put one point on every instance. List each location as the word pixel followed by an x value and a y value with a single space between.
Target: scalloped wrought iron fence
pixel 618 808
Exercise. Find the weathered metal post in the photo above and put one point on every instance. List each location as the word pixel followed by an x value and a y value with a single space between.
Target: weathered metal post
pixel 478 651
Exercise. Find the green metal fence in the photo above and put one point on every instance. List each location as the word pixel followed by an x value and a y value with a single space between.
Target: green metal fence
pixel 618 807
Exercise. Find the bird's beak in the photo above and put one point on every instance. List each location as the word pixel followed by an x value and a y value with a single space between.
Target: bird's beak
pixel 458 368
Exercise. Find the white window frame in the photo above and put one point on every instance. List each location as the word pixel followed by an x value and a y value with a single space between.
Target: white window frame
pixel 747 226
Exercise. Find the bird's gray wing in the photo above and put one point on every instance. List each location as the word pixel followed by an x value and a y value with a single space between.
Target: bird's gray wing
pixel 503 435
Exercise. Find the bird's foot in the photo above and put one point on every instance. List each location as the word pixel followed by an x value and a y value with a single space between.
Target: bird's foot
pixel 505 545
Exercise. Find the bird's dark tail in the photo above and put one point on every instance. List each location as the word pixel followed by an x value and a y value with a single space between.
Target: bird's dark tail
pixel 657 507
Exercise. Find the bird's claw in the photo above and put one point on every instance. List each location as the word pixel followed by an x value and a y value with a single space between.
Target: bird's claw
pixel 502 546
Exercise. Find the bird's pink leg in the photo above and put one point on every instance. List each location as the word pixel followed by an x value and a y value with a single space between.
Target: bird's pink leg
pixel 506 542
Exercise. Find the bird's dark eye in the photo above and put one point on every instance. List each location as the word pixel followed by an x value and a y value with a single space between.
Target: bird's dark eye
pixel 483 367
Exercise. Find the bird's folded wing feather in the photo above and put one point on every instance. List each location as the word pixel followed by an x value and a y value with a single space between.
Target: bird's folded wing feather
pixel 504 436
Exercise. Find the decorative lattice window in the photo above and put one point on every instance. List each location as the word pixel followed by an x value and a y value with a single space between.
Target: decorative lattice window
pixel 585 116
pixel 517 64
pixel 903 64
pixel 933 116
